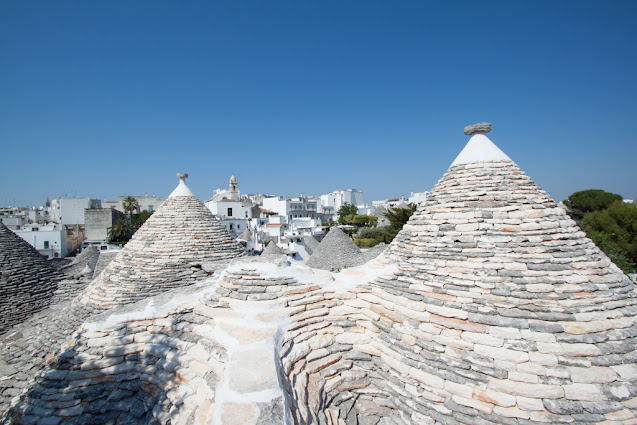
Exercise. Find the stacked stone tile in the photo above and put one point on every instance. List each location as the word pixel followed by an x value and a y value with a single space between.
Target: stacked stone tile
pixel 246 283
pixel 27 281
pixel 59 263
pixel 69 288
pixel 245 236
pixel 272 251
pixel 103 261
pixel 77 276
pixel 88 257
pixel 310 244
pixel 374 252
pixel 335 252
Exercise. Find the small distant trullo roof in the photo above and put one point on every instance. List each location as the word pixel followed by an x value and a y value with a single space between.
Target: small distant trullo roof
pixel 310 244
pixel 272 250
pixel 245 236
pixel 88 257
pixel 335 252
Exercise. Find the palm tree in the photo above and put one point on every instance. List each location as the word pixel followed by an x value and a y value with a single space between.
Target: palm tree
pixel 120 232
pixel 130 204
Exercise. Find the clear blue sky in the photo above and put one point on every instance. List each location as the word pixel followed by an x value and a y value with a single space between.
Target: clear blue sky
pixel 107 98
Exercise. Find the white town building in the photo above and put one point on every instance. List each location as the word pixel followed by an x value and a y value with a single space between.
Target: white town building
pixel 386 203
pixel 302 214
pixel 338 198
pixel 70 211
pixel 49 240
pixel 417 197
pixel 233 212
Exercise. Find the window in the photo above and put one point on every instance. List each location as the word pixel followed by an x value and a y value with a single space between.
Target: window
pixel 246 214
pixel 229 212
pixel 238 226
pixel 46 244
pixel 150 208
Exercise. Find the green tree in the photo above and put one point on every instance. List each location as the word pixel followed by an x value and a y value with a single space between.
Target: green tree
pixel 381 234
pixel 130 204
pixel 345 210
pixel 120 232
pixel 580 203
pixel 366 243
pixel 358 220
pixel 139 219
pixel 397 218
pixel 614 231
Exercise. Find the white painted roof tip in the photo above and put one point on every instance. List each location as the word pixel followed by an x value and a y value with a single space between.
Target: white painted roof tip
pixel 480 149
pixel 181 189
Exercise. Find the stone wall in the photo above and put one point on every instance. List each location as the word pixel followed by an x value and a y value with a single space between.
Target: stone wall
pixel 98 221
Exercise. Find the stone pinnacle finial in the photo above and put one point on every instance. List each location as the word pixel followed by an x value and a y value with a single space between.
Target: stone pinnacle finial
pixel 480 128
pixel 182 176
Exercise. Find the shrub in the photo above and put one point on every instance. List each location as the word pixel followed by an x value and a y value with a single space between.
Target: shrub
pixel 582 202
pixel 366 242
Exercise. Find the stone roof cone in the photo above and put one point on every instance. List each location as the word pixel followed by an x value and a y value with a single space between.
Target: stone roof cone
pixel 87 258
pixel 272 250
pixel 521 309
pixel 27 280
pixel 335 252
pixel 166 252
pixel 311 244
pixel 245 236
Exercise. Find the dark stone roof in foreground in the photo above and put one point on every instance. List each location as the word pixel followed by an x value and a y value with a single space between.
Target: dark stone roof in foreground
pixel 27 280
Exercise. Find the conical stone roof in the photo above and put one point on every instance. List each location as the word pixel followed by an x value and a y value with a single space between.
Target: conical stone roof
pixel 526 317
pixel 311 244
pixel 88 257
pixel 374 252
pixel 335 252
pixel 27 281
pixel 245 236
pixel 103 261
pixel 166 252
pixel 272 250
